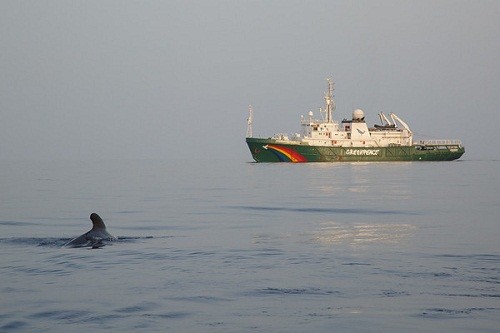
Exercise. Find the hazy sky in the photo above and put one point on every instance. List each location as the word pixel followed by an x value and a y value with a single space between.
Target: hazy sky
pixel 173 79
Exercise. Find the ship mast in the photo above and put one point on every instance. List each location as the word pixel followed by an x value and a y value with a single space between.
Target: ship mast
pixel 249 122
pixel 329 102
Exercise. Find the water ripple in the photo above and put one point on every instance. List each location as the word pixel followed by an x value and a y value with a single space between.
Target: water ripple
pixel 292 291
pixel 363 211
pixel 59 242
pixel 13 326
pixel 17 223
pixel 452 313
pixel 68 315
pixel 200 299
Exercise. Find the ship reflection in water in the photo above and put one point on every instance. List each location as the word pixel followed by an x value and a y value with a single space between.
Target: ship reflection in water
pixel 361 234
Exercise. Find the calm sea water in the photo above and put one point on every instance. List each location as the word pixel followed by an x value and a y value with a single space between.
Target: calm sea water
pixel 231 246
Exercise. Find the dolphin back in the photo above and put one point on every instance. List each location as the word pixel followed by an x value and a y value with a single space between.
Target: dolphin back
pixel 78 241
pixel 95 236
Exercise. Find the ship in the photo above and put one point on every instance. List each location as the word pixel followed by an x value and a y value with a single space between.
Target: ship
pixel 351 140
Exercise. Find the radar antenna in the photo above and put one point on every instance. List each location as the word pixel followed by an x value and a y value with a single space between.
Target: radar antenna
pixel 249 122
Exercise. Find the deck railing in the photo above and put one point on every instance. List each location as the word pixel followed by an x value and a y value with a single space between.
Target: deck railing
pixel 440 142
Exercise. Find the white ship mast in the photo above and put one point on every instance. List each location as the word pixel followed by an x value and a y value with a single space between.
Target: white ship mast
pixel 249 122
pixel 329 102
